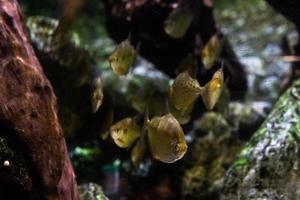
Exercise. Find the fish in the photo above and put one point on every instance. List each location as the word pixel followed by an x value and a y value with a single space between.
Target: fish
pixel 106 124
pixel 156 104
pixel 166 138
pixel 125 132
pixel 178 21
pixel 211 91
pixel 96 94
pixel 210 52
pixel 184 91
pixel 152 99
pixel 182 117
pixel 138 152
pixel 222 105
pixel 122 58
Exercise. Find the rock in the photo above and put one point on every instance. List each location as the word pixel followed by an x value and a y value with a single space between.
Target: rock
pixel 214 123
pixel 208 161
pixel 91 191
pixel 195 181
pixel 245 118
pixel 268 165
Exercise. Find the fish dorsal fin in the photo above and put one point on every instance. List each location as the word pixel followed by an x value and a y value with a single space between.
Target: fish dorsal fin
pixel 168 110
pixel 146 115
pixel 129 37
pixel 193 71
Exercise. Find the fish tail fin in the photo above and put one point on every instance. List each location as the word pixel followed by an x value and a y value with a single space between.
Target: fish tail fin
pixel 129 37
pixel 168 110
pixel 200 91
pixel 222 65
pixel 138 47
pixel 146 115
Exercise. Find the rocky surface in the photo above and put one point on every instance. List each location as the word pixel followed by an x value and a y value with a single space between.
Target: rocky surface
pixel 214 150
pixel 268 166
pixel 91 191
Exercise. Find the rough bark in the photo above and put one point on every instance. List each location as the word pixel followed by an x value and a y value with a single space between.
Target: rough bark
pixel 268 166
pixel 28 119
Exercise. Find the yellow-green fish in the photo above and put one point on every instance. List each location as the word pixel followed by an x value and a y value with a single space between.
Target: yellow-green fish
pixel 182 117
pixel 166 138
pixel 222 105
pixel 125 132
pixel 178 21
pixel 122 58
pixel 184 91
pixel 139 149
pixel 212 90
pixel 106 124
pixel 138 152
pixel 210 52
pixel 96 94
pixel 155 102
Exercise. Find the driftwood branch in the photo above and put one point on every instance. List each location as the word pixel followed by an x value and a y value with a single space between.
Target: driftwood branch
pixel 29 124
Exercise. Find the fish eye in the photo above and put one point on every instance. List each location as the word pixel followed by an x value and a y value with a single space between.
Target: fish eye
pixel 176 147
pixel 111 59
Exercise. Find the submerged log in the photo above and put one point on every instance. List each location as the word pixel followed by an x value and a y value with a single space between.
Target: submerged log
pixel 33 153
pixel 268 166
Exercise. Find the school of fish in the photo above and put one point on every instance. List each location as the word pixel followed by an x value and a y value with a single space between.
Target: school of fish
pixel 162 136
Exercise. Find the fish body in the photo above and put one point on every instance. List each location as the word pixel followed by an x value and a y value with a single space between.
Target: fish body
pixel 184 91
pixel 212 90
pixel 139 150
pixel 166 138
pixel 210 52
pixel 125 132
pixel 96 94
pixel 122 58
pixel 178 21
pixel 222 105
pixel 182 117
pixel 155 102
